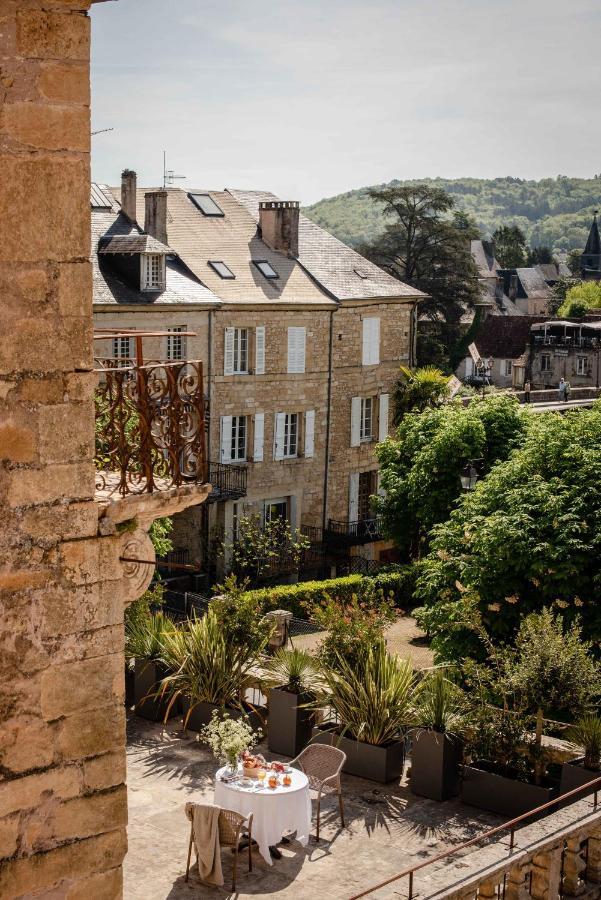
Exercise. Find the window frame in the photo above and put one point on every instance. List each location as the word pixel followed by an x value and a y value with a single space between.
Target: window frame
pixel 265 262
pixel 507 367
pixel 214 263
pixel 192 195
pixel 122 361
pixel 176 339
pixel 581 364
pixel 146 266
pixel 366 436
pixel 545 362
pixel 239 439
pixel 291 435
pixel 276 501
pixel 241 354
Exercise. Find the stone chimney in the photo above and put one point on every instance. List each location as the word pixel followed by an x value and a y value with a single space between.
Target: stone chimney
pixel 155 215
pixel 129 183
pixel 513 287
pixel 278 221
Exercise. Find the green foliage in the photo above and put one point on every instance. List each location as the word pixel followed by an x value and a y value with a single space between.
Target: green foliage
pixel 418 389
pixel 539 256
pixel 373 700
pixel 140 609
pixel 586 294
pixel 559 292
pixel 573 309
pixel 240 615
pixel 144 635
pixel 295 670
pixel 259 545
pixel 510 246
pixel 502 737
pixel 529 536
pixel 440 704
pixel 421 467
pixel 159 534
pixel 552 212
pixel 586 732
pixel 299 599
pixel 352 626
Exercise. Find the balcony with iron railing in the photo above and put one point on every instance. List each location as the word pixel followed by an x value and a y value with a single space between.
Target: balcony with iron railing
pixel 228 481
pixel 349 534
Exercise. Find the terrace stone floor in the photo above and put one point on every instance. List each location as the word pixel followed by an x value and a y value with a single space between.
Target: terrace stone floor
pixel 387 829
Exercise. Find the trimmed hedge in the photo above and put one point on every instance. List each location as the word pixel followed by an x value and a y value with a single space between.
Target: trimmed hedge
pixel 400 582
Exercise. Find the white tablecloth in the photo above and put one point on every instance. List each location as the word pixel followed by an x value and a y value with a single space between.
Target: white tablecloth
pixel 274 811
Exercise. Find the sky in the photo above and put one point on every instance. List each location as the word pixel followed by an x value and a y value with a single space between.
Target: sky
pixel 311 98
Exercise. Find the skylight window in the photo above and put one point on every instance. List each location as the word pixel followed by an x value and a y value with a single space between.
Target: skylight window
pixel 265 268
pixel 206 204
pixel 362 273
pixel 220 267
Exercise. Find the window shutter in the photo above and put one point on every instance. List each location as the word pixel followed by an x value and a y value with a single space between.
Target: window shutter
pixel 310 433
pixel 258 441
pixel 226 439
pixel 260 350
pixel 353 497
pixel 355 421
pixel 228 352
pixel 371 342
pixel 296 349
pixel 278 436
pixel 383 418
pixel 469 367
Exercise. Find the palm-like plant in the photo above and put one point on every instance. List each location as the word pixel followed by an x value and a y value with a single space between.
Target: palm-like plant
pixel 144 636
pixel 586 732
pixel 417 389
pixel 205 667
pixel 295 670
pixel 440 703
pixel 373 700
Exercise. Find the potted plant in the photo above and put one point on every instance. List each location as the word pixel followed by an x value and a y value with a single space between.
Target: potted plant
pixel 228 738
pixel 437 747
pixel 371 700
pixel 586 733
pixel 144 642
pixel 208 672
pixel 292 676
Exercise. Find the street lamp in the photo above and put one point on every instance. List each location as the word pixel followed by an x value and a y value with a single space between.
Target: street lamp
pixel 469 476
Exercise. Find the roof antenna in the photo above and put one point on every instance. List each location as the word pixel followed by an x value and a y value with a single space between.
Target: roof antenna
pixel 101 131
pixel 169 175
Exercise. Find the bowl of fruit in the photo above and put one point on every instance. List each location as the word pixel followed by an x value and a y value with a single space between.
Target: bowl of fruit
pixel 252 763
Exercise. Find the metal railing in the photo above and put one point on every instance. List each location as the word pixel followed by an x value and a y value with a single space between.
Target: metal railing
pixel 593 786
pixel 228 481
pixel 363 531
pixel 150 427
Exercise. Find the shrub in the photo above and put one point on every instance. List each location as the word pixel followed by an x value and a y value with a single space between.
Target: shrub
pixel 352 627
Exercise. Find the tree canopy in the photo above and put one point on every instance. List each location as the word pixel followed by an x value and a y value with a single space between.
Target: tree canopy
pixel 580 298
pixel 510 246
pixel 418 389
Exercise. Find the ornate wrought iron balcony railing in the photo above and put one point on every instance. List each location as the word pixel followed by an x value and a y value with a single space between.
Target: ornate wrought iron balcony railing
pixel 228 482
pixel 363 531
pixel 150 426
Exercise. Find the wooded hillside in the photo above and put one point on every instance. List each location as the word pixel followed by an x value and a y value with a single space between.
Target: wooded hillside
pixel 555 212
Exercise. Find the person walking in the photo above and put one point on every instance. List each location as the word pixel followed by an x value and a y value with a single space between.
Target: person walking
pixel 562 390
pixel 526 392
pixel 567 390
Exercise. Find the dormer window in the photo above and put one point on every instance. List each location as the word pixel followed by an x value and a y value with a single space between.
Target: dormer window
pixel 152 271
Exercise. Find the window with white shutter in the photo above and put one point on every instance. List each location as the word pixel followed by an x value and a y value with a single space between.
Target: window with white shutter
pixel 260 350
pixel 228 352
pixel 383 418
pixel 240 351
pixel 290 435
pixel 355 421
pixel 469 367
pixel 297 338
pixel 309 433
pixel 371 342
pixel 353 497
pixel 233 439
pixel 278 436
pixel 366 427
pixel 259 436
pixel 226 439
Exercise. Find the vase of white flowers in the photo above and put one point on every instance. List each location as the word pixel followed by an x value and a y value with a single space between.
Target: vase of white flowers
pixel 228 738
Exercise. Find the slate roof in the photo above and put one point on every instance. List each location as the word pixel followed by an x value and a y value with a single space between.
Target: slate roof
pixel 483 256
pixel 505 337
pixel 109 288
pixel 131 243
pixel 533 283
pixel 593 242
pixel 331 263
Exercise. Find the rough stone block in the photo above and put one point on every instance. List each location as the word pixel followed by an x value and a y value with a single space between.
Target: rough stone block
pixel 50 525
pixel 67 84
pixel 47 127
pixel 40 389
pixel 9 835
pixel 66 432
pixel 104 771
pixel 26 792
pixel 34 486
pixel 53 35
pixel 78 686
pixel 75 289
pixel 27 743
pixel 104 886
pixel 70 612
pixel 80 561
pixel 90 815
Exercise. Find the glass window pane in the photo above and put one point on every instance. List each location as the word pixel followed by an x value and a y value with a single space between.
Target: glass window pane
pixel 206 204
pixel 220 267
pixel 265 268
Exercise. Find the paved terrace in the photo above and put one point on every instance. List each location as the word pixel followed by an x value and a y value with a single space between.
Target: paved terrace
pixel 387 829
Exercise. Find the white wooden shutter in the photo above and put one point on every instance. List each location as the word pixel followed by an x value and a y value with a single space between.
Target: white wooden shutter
pixel 355 421
pixel 260 350
pixel 469 367
pixel 228 352
pixel 297 338
pixel 278 436
pixel 383 418
pixel 371 342
pixel 353 497
pixel 309 433
pixel 226 439
pixel 258 439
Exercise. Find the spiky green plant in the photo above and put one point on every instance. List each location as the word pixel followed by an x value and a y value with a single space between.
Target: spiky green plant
pixel 144 636
pixel 418 389
pixel 440 703
pixel 296 670
pixel 586 732
pixel 373 700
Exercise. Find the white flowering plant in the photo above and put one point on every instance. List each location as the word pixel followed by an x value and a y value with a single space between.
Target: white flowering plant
pixel 228 738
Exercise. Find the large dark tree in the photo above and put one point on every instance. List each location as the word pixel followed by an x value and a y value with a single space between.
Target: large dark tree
pixel 510 246
pixel 539 255
pixel 426 244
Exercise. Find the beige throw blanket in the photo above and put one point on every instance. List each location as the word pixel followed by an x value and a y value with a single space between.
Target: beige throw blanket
pixel 205 819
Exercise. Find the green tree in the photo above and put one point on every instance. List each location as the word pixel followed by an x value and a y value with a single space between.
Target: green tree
pixel 510 246
pixel 539 255
pixel 418 389
pixel 529 536
pixel 421 467
pixel 586 295
pixel 425 242
pixel 260 546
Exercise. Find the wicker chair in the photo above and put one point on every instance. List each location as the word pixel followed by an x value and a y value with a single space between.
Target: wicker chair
pixel 322 765
pixel 232 825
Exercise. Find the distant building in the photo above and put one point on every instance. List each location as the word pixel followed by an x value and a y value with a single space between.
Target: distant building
pixel 591 257
pixel 502 342
pixel 565 349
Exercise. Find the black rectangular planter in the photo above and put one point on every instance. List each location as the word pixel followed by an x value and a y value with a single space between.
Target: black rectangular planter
pixel 379 764
pixel 147 677
pixel 290 724
pixel 500 794
pixel 574 775
pixel 202 714
pixel 435 761
pixel 130 686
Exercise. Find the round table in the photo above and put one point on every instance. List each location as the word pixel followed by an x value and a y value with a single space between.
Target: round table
pixel 274 810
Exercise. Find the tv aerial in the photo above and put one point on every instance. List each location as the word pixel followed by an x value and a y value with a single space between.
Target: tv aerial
pixel 169 176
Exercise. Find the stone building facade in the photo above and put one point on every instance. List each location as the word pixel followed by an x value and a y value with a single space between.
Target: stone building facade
pixel 63 584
